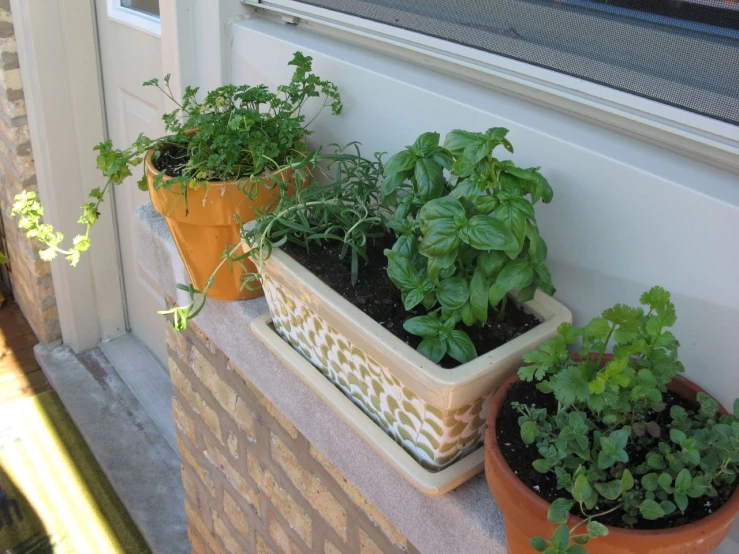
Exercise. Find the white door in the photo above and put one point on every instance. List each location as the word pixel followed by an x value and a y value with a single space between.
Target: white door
pixel 130 53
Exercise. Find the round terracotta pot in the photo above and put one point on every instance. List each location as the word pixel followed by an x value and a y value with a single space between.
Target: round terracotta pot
pixel 525 512
pixel 203 231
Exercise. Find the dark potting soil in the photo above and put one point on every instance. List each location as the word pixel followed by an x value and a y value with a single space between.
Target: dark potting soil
pixel 376 295
pixel 171 160
pixel 520 456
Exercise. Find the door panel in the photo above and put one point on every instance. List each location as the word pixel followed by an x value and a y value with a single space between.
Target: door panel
pixel 129 57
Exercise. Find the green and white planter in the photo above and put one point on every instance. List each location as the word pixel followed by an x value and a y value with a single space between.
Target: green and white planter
pixel 437 415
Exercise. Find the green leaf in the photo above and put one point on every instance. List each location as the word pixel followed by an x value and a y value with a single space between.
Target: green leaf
pixel 559 511
pixel 423 326
pixel 516 274
pixel 441 239
pixel 429 178
pixel 611 489
pixel 460 347
pixel 650 510
pixel 445 208
pixel 538 544
pixel 402 161
pixel 655 461
pixel 575 549
pixel 627 481
pixel 580 539
pixel 596 529
pixel 515 223
pixel 540 465
pixel 433 348
pixel 683 481
pixel 392 182
pixel 491 263
pixel 561 537
pixel 677 436
pixel 581 490
pixel 453 293
pixel 437 264
pixel 479 286
pixel 487 233
pixel 427 144
pixel 457 140
pixel 412 299
pixel 529 431
pixel 650 481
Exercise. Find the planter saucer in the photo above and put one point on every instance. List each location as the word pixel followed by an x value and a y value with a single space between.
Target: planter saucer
pixel 429 483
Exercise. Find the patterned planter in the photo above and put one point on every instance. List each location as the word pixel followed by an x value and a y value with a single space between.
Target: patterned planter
pixel 435 414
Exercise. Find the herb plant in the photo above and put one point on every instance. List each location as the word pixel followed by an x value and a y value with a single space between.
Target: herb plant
pixel 233 134
pixel 465 240
pixel 612 442
pixel 345 210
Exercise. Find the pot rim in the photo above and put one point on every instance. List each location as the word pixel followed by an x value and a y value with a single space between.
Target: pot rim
pixel 443 388
pixel 727 511
pixel 267 174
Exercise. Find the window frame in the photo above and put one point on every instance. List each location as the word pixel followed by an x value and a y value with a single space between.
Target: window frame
pixel 692 134
pixel 141 21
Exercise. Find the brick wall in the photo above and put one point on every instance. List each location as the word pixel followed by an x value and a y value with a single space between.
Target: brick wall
pixel 253 483
pixel 30 277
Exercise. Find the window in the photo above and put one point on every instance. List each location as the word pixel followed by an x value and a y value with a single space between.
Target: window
pixel 684 53
pixel 150 7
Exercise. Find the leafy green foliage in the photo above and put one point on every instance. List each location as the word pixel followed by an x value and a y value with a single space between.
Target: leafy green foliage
pixel 233 134
pixel 463 241
pixel 610 408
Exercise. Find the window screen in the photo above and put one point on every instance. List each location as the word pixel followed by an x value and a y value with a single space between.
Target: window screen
pixel 150 7
pixel 680 52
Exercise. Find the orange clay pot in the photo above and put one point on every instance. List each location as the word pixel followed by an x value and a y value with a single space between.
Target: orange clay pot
pixel 202 232
pixel 525 512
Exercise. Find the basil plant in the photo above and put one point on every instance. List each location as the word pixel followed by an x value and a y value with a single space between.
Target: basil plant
pixel 466 235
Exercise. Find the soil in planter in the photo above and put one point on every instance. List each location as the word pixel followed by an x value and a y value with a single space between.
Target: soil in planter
pixel 520 456
pixel 376 295
pixel 171 160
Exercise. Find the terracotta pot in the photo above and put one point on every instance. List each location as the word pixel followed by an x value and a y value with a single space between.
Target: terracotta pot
pixel 525 512
pixel 436 414
pixel 203 231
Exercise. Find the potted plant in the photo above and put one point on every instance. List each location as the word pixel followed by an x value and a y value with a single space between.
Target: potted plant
pixel 223 157
pixel 361 318
pixel 613 446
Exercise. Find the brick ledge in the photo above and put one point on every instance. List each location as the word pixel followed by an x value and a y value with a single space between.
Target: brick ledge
pixel 464 520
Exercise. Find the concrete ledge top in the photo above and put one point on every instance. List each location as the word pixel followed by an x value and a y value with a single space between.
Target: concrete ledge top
pixel 464 520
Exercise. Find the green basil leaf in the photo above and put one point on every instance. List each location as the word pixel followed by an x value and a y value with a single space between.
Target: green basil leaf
pixel 479 287
pixel 401 271
pixel 460 347
pixel 402 161
pixel 443 158
pixel 496 133
pixel 457 140
pixel 412 299
pixel 527 293
pixel 392 182
pixel 427 144
pixel 515 223
pixel 486 233
pixel 446 208
pixel 470 188
pixel 490 263
pixel 544 280
pixel 433 348
pixel 485 204
pixel 515 275
pixel 426 326
pixel 452 293
pixel 441 239
pixel 438 264
pixel 429 178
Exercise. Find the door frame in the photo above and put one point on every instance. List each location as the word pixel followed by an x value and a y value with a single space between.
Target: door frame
pixel 60 65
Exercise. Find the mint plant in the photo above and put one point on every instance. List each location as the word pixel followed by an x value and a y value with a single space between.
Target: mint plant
pixel 466 235
pixel 612 440
pixel 233 134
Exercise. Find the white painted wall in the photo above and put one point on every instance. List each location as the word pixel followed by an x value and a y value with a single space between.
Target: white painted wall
pixel 625 216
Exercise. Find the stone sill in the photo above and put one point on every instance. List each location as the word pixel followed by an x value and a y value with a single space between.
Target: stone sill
pixel 464 520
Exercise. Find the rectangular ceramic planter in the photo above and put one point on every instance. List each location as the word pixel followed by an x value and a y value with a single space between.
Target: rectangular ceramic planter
pixel 436 414
pixel 429 483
